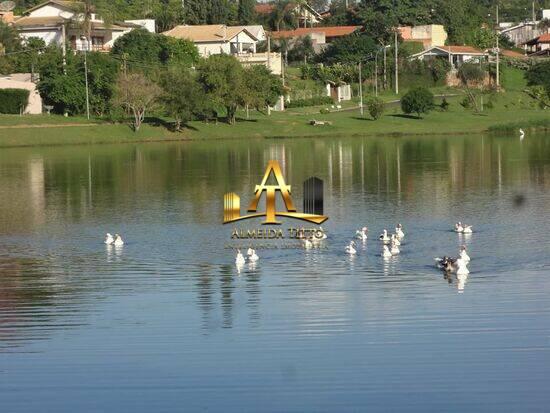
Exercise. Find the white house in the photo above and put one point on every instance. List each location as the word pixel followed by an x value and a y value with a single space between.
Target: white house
pixel 56 20
pixel 216 38
pixel 238 41
pixel 456 55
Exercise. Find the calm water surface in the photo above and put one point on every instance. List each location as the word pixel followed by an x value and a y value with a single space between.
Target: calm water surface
pixel 167 323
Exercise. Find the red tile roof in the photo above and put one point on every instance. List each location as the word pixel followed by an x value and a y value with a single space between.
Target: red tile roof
pixel 330 31
pixel 264 8
pixel 544 38
pixel 512 53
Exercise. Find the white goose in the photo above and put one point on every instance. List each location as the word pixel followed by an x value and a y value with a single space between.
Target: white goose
pixel 109 239
pixel 350 249
pixel 463 255
pixel 307 243
pixel 386 253
pixel 384 237
pixel 118 241
pixel 253 257
pixel 394 249
pixel 362 233
pixel 461 267
pixel 459 227
pixel 239 259
pixel 467 229
pixel 521 134
pixel 249 251
pixel 399 231
pixel 395 240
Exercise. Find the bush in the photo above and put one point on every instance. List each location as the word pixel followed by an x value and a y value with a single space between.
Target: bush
pixel 375 107
pixel 316 101
pixel 539 75
pixel 13 101
pixel 444 105
pixel 418 100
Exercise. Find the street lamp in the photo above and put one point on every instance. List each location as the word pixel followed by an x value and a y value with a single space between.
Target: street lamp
pixel 384 47
pixel 85 44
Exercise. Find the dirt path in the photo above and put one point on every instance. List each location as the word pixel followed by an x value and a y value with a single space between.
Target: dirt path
pixel 48 125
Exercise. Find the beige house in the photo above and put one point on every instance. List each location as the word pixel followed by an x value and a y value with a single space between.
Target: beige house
pixel 23 81
pixel 429 35
pixel 238 41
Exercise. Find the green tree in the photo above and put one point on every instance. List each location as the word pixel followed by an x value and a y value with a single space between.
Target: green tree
pixel 482 38
pixel 261 88
pixel 348 49
pixel 167 14
pixel 376 107
pixel 142 47
pixel 246 14
pixel 196 11
pixel 137 94
pixel 222 78
pixel 539 75
pixel 182 95
pixel 9 42
pixel 302 50
pixel 418 100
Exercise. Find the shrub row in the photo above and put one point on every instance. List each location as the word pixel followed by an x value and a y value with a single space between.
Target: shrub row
pixel 13 101
pixel 316 101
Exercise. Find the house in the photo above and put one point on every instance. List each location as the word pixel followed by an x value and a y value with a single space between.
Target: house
pixel 24 81
pixel 58 21
pixel 320 36
pixel 216 38
pixel 456 55
pixel 539 46
pixel 339 91
pixel 429 35
pixel 304 13
pixel 238 41
pixel 257 31
pixel 521 33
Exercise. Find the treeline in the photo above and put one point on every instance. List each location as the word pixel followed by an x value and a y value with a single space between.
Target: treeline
pixel 460 17
pixel 145 74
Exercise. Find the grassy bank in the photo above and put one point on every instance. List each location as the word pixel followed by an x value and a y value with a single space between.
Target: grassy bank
pixel 509 111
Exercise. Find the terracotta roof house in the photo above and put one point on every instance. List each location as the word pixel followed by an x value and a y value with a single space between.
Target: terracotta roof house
pixel 320 36
pixel 539 46
pixel 56 21
pixel 457 55
pixel 306 15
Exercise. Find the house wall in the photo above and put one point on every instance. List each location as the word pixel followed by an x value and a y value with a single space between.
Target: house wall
pixel 522 33
pixel 46 11
pixel 274 63
pixel 48 35
pixel 35 101
pixel 435 32
pixel 210 48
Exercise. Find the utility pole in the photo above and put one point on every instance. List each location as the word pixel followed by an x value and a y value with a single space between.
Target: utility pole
pixel 396 66
pixel 385 78
pixel 534 14
pixel 360 91
pixel 498 53
pixel 376 74
pixel 86 79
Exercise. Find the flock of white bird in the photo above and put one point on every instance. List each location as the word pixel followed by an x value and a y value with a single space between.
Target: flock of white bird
pixel 116 240
pixel 390 248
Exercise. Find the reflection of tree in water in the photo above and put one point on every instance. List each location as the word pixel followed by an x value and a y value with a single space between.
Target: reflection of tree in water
pixel 28 293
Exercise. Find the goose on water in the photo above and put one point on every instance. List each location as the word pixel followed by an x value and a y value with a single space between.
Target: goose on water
pixel 118 241
pixel 467 229
pixel 362 233
pixel 399 231
pixel 350 249
pixel 463 255
pixel 252 256
pixel 384 237
pixel 395 240
pixel 461 267
pixel 394 249
pixel 239 259
pixel 521 134
pixel 109 239
pixel 386 253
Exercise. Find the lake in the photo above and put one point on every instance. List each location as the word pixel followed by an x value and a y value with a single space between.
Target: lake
pixel 169 323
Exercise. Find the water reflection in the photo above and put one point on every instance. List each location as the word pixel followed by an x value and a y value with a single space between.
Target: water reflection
pixel 174 298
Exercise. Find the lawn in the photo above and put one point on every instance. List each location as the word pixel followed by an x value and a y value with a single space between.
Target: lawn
pixel 513 107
